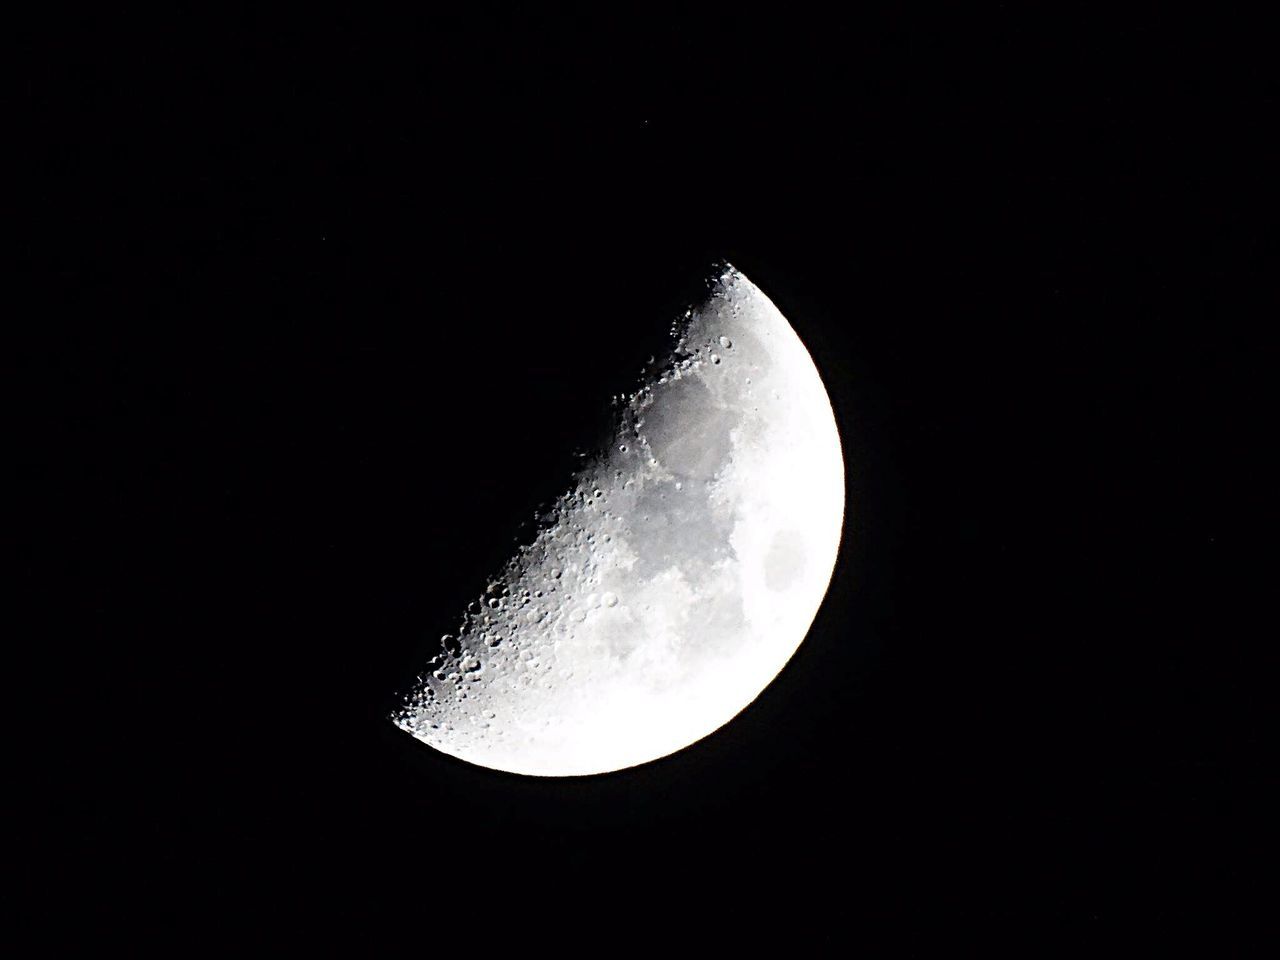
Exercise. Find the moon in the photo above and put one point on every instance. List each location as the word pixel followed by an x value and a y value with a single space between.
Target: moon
pixel 673 580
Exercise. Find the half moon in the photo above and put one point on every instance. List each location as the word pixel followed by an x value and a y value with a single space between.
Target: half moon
pixel 675 578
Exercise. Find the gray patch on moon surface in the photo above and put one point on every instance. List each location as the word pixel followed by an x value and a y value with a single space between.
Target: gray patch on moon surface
pixel 784 562
pixel 680 526
pixel 698 453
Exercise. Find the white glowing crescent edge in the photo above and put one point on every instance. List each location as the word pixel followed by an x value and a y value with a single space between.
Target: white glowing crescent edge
pixel 674 579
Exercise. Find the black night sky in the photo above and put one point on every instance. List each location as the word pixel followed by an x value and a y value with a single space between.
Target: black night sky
pixel 324 309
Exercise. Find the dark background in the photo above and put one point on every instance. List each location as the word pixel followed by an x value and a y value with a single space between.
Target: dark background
pixel 325 308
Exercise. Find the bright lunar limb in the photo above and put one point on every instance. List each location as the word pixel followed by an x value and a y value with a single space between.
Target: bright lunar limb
pixel 675 578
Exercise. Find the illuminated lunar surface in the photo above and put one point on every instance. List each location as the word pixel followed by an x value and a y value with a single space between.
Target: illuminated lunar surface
pixel 675 578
